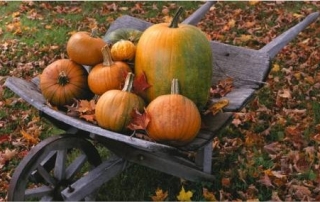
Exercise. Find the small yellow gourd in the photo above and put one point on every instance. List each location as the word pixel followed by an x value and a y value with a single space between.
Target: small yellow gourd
pixel 123 50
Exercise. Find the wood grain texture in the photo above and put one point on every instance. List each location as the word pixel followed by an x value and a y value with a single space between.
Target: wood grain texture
pixel 274 47
pixel 29 92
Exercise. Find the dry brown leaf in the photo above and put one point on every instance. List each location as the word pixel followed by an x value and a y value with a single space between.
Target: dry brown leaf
pixel 139 121
pixel 208 196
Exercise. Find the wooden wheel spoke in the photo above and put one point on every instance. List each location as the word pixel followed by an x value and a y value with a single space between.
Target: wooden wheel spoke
pixel 51 166
pixel 38 192
pixel 45 175
pixel 76 166
pixel 59 169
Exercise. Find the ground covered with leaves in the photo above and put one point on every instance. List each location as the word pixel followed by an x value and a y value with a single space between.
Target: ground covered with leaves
pixel 270 151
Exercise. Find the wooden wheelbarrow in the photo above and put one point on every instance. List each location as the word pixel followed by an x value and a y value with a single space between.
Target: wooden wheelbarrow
pixel 69 167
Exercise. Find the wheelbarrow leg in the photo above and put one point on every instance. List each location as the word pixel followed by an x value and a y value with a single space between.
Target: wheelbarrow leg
pixel 204 158
pixel 95 179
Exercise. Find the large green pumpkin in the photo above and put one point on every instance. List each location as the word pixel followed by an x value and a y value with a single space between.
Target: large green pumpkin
pixel 166 51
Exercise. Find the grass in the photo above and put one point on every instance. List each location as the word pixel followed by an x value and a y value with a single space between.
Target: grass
pixel 42 38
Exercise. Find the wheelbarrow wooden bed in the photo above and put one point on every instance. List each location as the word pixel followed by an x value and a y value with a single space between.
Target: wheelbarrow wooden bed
pixel 45 172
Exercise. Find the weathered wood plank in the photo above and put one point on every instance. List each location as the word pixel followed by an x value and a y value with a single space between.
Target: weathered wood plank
pixel 29 92
pixel 94 179
pixel 127 21
pixel 237 98
pixel 282 40
pixel 249 68
pixel 162 162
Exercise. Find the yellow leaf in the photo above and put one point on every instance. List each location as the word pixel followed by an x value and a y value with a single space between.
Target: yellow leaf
pixel 29 137
pixel 275 68
pixel 217 107
pixel 184 196
pixel 160 195
pixel 296 15
pixel 208 196
pixel 15 14
pixel 253 3
pixel 231 23
pixel 245 37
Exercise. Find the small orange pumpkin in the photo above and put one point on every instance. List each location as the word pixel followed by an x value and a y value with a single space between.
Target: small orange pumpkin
pixel 107 75
pixel 174 118
pixel 85 49
pixel 113 109
pixel 63 81
pixel 123 50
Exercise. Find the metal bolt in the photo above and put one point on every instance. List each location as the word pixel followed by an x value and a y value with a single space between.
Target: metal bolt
pixel 70 189
pixel 141 157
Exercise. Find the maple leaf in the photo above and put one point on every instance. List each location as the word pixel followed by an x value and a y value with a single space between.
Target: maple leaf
pixel 4 138
pixel 30 138
pixel 83 109
pixel 139 121
pixel 86 106
pixel 184 196
pixel 208 196
pixel 222 88
pixel 88 117
pixel 265 180
pixel 140 84
pixel 160 195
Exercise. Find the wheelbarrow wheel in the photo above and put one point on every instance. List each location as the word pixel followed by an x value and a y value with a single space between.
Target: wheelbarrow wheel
pixel 51 167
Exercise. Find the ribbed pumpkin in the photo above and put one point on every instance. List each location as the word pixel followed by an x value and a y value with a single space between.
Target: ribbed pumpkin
pixel 123 50
pixel 130 34
pixel 166 51
pixel 174 119
pixel 113 109
pixel 63 81
pixel 85 49
pixel 107 75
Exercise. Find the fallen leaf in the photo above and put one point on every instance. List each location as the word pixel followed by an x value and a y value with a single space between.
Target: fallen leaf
pixel 30 139
pixel 275 68
pixel 139 121
pixel 217 107
pixel 208 196
pixel 140 84
pixel 160 195
pixel 232 23
pixel 222 88
pixel 245 37
pixel 184 196
pixel 265 180
pixel 284 93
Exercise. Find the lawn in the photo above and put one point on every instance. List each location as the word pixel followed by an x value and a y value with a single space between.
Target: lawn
pixel 269 152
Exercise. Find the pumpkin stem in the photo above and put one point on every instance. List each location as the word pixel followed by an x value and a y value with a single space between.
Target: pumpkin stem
pixel 174 86
pixel 128 83
pixel 63 78
pixel 107 59
pixel 175 21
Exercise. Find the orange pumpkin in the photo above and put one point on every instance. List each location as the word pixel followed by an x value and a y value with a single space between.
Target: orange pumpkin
pixel 107 75
pixel 174 118
pixel 85 49
pixel 113 109
pixel 63 81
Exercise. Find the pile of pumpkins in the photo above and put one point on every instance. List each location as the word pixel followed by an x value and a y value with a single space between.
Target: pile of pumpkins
pixel 176 60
